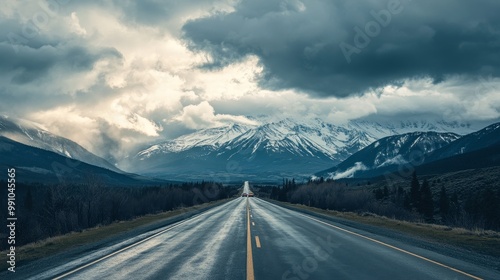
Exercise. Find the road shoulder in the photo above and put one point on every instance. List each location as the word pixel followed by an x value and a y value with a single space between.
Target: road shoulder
pixel 31 267
pixel 425 238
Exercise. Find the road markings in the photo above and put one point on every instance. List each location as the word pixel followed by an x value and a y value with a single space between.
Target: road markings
pixel 257 241
pixel 123 249
pixel 253 224
pixel 250 272
pixel 395 248
pixel 136 243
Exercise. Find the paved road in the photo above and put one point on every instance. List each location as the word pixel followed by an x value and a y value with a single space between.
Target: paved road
pixel 298 246
pixel 249 238
pixel 246 187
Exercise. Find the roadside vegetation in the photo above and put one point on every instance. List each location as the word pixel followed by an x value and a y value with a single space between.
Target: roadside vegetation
pixel 478 240
pixel 61 243
pixel 454 205
pixel 47 211
pixel 430 200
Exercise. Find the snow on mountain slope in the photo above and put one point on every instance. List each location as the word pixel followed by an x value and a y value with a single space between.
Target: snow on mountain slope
pixel 486 137
pixel 299 136
pixel 214 137
pixel 290 146
pixel 392 151
pixel 286 135
pixel 29 134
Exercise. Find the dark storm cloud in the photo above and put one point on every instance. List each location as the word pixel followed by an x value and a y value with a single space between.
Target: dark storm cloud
pixel 33 56
pixel 34 61
pixel 30 64
pixel 342 48
pixel 26 75
pixel 150 12
pixel 155 13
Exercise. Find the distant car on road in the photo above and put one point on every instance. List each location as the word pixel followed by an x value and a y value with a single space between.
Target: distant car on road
pixel 244 195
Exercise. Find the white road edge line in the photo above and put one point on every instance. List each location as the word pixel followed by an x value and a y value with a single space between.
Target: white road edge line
pixel 393 247
pixel 129 246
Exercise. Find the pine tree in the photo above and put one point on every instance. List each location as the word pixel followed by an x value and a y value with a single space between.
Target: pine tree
pixel 489 208
pixel 386 191
pixel 28 200
pixel 444 203
pixel 407 202
pixel 379 194
pixel 414 191
pixel 401 191
pixel 426 201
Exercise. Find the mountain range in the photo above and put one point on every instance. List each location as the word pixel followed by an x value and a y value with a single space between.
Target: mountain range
pixel 43 157
pixel 428 152
pixel 273 149
pixel 42 166
pixel 30 134
pixel 267 152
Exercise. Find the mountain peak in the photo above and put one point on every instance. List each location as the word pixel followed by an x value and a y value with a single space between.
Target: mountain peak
pixel 392 150
pixel 286 146
pixel 31 134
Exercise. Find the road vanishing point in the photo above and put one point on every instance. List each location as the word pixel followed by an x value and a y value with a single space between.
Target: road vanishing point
pixel 251 238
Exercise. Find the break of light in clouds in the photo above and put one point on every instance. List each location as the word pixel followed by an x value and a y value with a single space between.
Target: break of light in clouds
pixel 114 74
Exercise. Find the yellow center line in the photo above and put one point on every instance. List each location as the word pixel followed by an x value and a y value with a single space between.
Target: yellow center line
pixel 257 241
pixel 396 248
pixel 250 273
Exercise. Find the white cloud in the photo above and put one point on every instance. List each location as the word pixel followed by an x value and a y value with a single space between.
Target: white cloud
pixel 142 80
pixel 203 116
pixel 75 25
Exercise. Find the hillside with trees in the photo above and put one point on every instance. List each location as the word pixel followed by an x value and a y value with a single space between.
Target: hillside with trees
pixel 469 199
pixel 52 210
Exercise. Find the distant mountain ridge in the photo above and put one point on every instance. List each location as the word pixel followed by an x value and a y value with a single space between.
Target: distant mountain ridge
pixel 29 134
pixel 483 138
pixel 391 151
pixel 41 166
pixel 431 151
pixel 272 149
pixel 268 151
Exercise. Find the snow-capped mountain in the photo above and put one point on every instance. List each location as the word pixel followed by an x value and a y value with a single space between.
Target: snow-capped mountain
pixel 272 149
pixel 409 148
pixel 38 165
pixel 30 134
pixel 319 139
pixel 426 152
pixel 483 138
pixel 214 137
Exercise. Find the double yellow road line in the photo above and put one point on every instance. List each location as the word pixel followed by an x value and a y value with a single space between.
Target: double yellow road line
pixel 250 272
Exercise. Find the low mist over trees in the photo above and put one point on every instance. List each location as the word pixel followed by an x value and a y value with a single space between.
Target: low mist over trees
pixel 46 211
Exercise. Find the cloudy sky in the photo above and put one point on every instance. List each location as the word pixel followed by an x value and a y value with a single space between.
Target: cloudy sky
pixel 115 73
